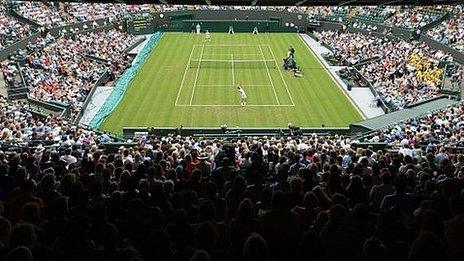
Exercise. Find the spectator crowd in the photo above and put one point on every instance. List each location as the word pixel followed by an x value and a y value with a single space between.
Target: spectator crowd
pixel 11 30
pixel 402 72
pixel 55 14
pixel 352 47
pixel 451 32
pixel 63 70
pixel 410 17
pixel 183 198
pixel 432 130
pixel 64 196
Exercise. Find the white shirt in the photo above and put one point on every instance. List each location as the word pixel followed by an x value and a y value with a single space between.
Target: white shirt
pixel 242 93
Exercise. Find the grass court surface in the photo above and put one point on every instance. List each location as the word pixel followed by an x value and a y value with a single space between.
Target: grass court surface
pixel 187 81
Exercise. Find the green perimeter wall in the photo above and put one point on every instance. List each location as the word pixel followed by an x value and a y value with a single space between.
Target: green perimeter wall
pixel 239 25
pixel 173 21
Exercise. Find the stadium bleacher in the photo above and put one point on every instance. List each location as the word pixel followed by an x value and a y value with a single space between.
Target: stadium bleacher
pixel 387 188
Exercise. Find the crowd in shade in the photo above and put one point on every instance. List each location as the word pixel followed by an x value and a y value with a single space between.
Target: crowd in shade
pixel 63 70
pixel 11 30
pixel 451 32
pixel 183 198
pixel 352 47
pixel 404 72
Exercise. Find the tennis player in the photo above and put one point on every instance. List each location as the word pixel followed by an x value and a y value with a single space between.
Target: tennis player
pixel 207 36
pixel 255 30
pixel 243 96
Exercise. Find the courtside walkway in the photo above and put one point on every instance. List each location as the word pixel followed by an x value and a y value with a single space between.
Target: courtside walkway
pixel 361 96
pixel 99 97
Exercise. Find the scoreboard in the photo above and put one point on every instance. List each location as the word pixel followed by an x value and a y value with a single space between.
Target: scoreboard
pixel 141 24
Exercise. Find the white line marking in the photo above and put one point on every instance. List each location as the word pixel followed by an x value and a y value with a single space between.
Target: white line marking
pixel 236 105
pixel 237 61
pixel 269 75
pixel 233 45
pixel 183 77
pixel 280 72
pixel 228 85
pixel 233 70
pixel 196 76
pixel 228 54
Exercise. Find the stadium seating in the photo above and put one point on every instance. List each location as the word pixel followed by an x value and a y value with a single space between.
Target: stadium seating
pixel 66 193
pixel 403 73
pixel 63 70
pixel 11 30
pixel 451 32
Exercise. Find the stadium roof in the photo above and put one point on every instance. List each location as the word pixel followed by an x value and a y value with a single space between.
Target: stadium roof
pixel 282 2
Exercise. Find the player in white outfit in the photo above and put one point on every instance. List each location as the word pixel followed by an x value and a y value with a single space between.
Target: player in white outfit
pixel 207 36
pixel 255 30
pixel 243 96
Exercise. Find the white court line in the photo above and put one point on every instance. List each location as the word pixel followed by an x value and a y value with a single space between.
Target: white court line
pixel 233 70
pixel 196 76
pixel 280 71
pixel 183 77
pixel 228 85
pixel 228 61
pixel 269 75
pixel 235 105
pixel 233 45
pixel 228 54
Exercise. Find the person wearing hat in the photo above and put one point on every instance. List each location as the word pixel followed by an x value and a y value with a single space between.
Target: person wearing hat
pixel 204 165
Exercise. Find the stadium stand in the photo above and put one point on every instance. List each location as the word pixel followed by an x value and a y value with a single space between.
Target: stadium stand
pixel 410 17
pixel 64 70
pixel 11 30
pixel 451 32
pixel 411 68
pixel 53 15
pixel 392 189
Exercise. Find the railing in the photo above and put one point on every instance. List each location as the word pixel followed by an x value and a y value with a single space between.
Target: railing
pixel 22 19
pixel 45 108
pixel 436 22
pixel 132 47
pixel 412 105
pixel 234 132
pixel 367 61
pixel 457 56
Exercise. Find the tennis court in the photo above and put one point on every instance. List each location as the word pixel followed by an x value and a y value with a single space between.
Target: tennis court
pixel 190 82
pixel 213 72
